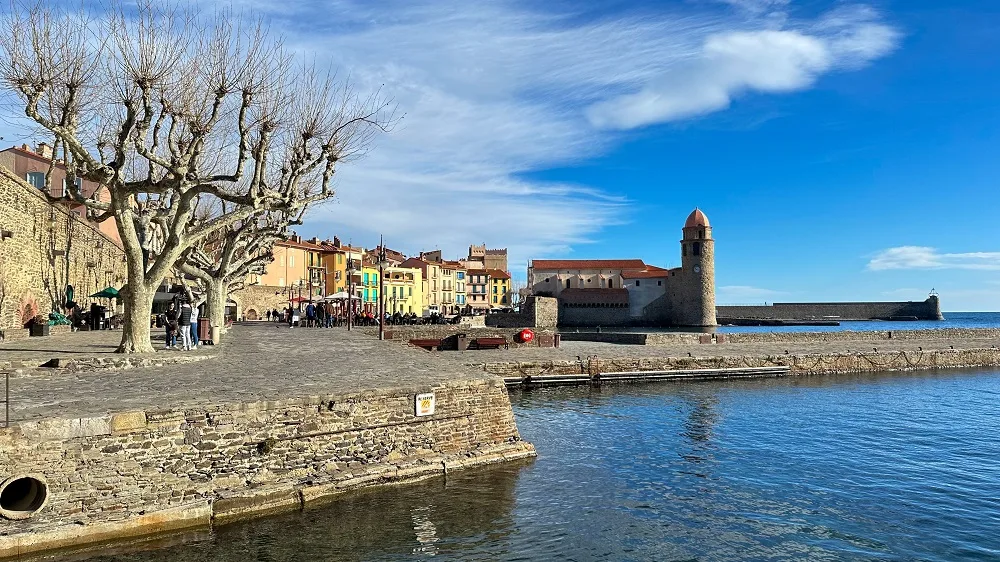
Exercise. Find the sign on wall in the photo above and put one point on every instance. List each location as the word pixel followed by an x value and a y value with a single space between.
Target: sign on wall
pixel 424 404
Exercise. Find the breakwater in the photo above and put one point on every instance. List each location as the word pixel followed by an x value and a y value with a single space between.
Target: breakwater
pixel 730 366
pixel 929 309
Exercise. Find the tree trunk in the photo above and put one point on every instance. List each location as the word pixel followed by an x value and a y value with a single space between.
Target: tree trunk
pixel 216 294
pixel 138 308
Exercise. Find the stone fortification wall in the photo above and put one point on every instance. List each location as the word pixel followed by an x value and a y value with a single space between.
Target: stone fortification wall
pixel 876 335
pixel 253 301
pixel 43 248
pixel 571 315
pixel 929 309
pixel 536 312
pixel 804 364
pixel 140 472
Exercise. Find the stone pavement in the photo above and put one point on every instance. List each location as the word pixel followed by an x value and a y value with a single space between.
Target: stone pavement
pixel 256 362
pixel 79 346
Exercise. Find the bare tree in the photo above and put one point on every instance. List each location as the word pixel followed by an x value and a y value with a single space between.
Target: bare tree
pixel 164 108
pixel 222 262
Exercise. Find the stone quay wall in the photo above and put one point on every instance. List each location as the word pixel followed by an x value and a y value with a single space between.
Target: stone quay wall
pixel 874 335
pixel 639 338
pixel 403 334
pixel 929 309
pixel 804 364
pixel 44 248
pixel 143 472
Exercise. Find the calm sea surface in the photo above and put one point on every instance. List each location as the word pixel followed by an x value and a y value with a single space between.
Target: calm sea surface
pixel 879 467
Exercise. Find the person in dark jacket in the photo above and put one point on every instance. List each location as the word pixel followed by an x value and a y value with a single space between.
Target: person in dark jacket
pixel 184 319
pixel 170 324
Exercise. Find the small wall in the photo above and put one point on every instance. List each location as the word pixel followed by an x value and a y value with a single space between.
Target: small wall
pixel 875 335
pixel 536 312
pixel 404 334
pixel 798 364
pixel 135 473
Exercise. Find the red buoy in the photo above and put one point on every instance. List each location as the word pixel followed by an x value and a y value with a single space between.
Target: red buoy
pixel 525 335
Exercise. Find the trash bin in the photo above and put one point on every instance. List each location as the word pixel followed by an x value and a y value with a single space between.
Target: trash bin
pixel 556 339
pixel 204 330
pixel 462 342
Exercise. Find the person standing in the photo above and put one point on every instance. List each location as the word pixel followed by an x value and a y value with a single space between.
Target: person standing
pixel 194 326
pixel 310 314
pixel 185 325
pixel 268 315
pixel 170 323
pixel 320 314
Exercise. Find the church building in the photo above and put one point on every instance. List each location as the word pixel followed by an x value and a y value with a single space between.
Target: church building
pixel 628 292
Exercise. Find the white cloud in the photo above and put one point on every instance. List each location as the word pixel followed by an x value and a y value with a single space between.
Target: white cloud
pixel 493 91
pixel 731 63
pixel 745 294
pixel 923 257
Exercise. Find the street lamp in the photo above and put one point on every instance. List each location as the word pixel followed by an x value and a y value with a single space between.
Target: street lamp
pixel 382 264
pixel 350 290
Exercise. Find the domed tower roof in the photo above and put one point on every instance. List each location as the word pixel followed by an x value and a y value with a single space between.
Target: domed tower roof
pixel 696 219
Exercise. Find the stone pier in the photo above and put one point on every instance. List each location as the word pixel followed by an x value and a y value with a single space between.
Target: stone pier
pixel 275 419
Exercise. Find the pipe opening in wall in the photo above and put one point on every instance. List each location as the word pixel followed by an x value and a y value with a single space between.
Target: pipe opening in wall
pixel 23 496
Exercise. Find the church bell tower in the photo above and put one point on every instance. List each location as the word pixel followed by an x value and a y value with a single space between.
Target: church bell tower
pixel 698 272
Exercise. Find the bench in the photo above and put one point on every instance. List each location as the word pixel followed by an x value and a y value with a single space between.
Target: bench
pixel 428 344
pixel 495 343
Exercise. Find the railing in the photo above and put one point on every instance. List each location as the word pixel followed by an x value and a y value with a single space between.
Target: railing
pixel 6 399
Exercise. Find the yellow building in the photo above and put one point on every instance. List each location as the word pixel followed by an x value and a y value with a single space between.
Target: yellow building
pixel 499 288
pixel 404 290
pixel 336 259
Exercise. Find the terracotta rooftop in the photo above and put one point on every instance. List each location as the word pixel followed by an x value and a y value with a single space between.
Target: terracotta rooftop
pixel 594 296
pixel 651 272
pixel 696 219
pixel 497 274
pixel 588 264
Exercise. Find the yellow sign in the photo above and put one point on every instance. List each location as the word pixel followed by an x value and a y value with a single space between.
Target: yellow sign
pixel 424 404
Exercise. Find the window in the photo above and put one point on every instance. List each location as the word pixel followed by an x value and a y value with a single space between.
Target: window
pixel 684 250
pixel 340 258
pixel 611 283
pixel 36 179
pixel 78 183
pixel 567 283
pixel 701 234
pixel 659 283
pixel 546 279
pixel 411 291
pixel 291 261
pixel 636 282
pixel 696 249
pixel 281 262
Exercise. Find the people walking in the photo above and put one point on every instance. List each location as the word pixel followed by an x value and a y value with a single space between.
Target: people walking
pixel 320 314
pixel 184 320
pixel 269 315
pixel 310 314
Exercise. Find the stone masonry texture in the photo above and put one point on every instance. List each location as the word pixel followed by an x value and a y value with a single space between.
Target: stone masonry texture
pixel 115 446
pixel 48 249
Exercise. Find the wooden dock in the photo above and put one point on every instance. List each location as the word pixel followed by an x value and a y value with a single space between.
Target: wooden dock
pixel 645 376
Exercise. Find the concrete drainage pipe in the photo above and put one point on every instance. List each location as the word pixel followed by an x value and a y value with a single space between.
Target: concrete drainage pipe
pixel 23 496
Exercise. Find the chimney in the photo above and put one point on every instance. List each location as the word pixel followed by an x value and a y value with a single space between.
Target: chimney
pixel 45 150
pixel 314 240
pixel 336 241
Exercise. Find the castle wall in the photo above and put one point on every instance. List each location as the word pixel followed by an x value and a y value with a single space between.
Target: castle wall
pixel 48 248
pixel 929 309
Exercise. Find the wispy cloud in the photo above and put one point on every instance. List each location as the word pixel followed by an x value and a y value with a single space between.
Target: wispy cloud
pixel 742 294
pixel 494 90
pixel 923 257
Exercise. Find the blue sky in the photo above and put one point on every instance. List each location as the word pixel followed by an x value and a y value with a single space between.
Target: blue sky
pixel 842 150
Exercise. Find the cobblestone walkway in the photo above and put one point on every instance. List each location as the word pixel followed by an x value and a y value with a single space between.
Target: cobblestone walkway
pixel 78 346
pixel 257 362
